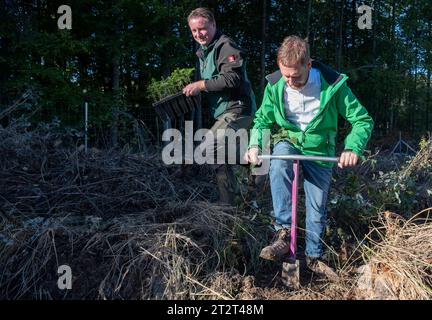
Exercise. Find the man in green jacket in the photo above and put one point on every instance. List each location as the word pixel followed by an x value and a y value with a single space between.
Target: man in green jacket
pixel 303 99
pixel 226 90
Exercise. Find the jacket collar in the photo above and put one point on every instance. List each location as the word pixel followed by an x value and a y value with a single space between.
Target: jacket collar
pixel 330 75
pixel 202 50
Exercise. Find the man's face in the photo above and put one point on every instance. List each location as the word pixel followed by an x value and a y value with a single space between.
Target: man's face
pixel 295 75
pixel 202 30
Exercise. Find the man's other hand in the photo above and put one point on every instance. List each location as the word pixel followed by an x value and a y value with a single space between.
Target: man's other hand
pixel 251 156
pixel 348 159
pixel 194 88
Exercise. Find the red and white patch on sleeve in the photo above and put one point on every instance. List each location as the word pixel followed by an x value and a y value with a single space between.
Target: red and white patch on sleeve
pixel 231 58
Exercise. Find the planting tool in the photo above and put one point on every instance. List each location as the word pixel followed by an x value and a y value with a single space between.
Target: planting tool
pixel 291 268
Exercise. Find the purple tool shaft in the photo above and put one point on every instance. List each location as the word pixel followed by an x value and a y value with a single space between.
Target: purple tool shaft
pixel 293 242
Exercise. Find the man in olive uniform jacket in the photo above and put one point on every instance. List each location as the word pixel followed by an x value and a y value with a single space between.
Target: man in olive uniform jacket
pixel 226 90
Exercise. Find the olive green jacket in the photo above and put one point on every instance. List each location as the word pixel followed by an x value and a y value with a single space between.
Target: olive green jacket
pixel 223 67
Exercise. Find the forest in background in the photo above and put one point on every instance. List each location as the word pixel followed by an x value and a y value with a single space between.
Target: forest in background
pixel 115 48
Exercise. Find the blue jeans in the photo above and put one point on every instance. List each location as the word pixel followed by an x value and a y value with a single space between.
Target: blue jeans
pixel 316 185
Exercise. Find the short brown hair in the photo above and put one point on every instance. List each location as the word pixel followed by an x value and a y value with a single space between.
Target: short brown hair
pixel 203 13
pixel 293 50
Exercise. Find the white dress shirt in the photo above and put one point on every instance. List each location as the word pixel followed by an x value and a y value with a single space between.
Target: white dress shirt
pixel 302 105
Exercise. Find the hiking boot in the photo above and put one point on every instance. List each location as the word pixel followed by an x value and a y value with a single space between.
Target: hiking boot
pixel 319 267
pixel 279 248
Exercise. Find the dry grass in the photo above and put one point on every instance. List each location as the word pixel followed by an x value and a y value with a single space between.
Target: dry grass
pixel 397 264
pixel 399 259
pixel 126 228
pixel 127 257
pixel 129 230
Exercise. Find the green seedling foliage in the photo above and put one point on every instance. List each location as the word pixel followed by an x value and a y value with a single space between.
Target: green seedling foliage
pixel 159 89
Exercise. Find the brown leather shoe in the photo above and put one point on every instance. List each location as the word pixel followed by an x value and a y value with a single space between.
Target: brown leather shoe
pixel 279 248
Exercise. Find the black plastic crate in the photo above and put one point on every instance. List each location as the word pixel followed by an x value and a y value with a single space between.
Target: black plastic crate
pixel 176 105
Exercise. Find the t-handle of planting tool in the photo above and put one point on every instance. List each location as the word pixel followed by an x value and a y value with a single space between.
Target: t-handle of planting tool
pixel 299 157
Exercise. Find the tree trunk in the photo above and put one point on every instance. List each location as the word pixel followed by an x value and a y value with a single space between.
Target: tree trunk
pixel 263 45
pixel 393 20
pixel 428 88
pixel 354 27
pixel 414 96
pixel 375 103
pixel 392 63
pixel 116 95
pixel 428 101
pixel 115 76
pixel 165 65
pixel 340 38
pixel 308 19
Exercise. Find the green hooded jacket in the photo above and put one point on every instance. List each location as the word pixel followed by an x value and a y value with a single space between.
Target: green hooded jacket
pixel 318 138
